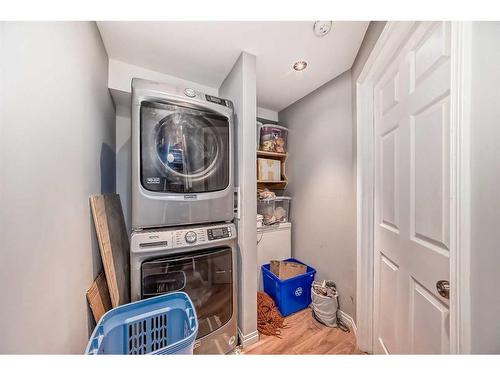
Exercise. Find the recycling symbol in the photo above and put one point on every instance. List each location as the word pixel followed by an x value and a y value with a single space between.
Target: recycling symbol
pixel 298 292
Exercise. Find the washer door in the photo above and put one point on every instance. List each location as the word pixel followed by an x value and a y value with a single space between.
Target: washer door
pixel 183 150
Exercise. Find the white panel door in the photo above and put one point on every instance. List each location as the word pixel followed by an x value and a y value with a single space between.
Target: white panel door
pixel 412 195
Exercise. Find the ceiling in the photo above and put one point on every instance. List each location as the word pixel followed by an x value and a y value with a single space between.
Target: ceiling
pixel 205 52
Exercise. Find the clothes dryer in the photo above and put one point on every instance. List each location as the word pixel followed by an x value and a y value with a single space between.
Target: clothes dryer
pixel 200 261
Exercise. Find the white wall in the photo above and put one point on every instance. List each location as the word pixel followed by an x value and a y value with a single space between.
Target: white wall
pixel 267 114
pixel 320 174
pixel 57 147
pixel 120 79
pixel 485 187
pixel 240 87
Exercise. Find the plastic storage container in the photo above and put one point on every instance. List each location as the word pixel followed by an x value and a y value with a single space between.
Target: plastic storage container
pixel 273 138
pixel 165 324
pixel 289 295
pixel 258 126
pixel 274 210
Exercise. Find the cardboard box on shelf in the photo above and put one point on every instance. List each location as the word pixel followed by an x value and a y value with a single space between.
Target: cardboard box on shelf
pixel 286 270
pixel 268 169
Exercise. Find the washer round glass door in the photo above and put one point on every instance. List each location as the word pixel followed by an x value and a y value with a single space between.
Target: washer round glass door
pixel 183 150
pixel 187 146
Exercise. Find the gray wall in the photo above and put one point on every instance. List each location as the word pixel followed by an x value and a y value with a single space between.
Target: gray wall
pixel 124 165
pixel 371 36
pixel 57 141
pixel 320 172
pixel 485 187
pixel 240 87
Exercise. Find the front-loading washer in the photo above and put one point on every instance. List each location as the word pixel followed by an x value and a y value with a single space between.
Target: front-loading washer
pixel 182 156
pixel 200 261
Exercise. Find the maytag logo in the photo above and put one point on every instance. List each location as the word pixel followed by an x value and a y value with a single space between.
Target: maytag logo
pixel 190 196
pixel 153 180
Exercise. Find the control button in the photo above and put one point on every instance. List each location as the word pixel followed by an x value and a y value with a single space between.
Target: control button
pixel 190 237
pixel 190 92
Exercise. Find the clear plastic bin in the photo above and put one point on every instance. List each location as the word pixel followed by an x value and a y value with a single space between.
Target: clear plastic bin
pixel 274 210
pixel 259 126
pixel 273 138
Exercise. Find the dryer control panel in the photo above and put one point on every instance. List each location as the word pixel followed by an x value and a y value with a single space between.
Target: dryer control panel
pixel 188 237
pixel 154 240
pixel 218 233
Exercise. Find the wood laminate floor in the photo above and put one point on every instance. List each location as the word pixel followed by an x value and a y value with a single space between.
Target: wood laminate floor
pixel 304 335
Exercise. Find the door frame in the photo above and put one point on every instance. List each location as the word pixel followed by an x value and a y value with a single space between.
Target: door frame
pixel 390 42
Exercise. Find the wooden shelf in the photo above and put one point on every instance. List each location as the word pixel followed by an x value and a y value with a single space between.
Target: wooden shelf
pixel 273 185
pixel 272 155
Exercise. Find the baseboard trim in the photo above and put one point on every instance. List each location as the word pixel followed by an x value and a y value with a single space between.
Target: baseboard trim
pixel 248 339
pixel 350 322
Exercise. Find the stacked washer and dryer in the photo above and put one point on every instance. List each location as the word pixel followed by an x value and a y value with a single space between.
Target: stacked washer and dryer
pixel 183 238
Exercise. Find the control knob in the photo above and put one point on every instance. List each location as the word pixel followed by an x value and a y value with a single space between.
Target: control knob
pixel 190 92
pixel 190 237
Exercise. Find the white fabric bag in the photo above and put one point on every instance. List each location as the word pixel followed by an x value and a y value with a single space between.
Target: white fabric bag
pixel 325 306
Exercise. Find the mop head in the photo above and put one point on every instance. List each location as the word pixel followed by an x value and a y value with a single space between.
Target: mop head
pixel 269 320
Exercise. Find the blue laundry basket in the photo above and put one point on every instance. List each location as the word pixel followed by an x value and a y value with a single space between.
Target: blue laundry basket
pixel 166 324
pixel 290 295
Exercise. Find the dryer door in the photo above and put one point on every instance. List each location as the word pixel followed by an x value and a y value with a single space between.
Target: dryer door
pixel 183 150
pixel 206 276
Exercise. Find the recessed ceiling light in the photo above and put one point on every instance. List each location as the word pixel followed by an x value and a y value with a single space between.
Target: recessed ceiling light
pixel 300 65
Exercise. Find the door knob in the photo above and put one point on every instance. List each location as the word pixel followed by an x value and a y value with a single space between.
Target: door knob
pixel 443 288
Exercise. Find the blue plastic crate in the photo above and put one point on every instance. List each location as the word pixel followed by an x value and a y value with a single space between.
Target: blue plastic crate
pixel 165 324
pixel 290 295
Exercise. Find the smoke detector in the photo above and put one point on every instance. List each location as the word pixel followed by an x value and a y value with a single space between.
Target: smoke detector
pixel 321 28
